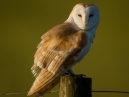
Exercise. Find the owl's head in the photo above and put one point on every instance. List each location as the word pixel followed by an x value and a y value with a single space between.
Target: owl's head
pixel 85 16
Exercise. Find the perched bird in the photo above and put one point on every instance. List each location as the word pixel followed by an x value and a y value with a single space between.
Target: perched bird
pixel 63 46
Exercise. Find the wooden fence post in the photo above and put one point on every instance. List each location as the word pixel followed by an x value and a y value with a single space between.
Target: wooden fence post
pixel 75 86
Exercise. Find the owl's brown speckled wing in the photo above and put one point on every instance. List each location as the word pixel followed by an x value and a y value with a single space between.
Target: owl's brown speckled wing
pixel 56 53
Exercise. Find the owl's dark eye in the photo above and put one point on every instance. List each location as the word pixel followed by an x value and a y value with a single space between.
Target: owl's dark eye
pixel 90 15
pixel 79 15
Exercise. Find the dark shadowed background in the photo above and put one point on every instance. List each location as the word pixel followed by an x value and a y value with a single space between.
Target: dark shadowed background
pixel 22 22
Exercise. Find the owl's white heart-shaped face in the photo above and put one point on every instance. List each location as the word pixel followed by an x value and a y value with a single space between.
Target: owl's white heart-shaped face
pixel 84 16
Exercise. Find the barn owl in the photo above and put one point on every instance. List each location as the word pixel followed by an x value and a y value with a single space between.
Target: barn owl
pixel 63 46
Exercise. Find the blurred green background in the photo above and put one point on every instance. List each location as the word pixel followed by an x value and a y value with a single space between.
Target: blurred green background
pixel 22 22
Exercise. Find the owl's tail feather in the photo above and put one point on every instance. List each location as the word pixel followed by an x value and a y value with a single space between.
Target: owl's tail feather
pixel 45 82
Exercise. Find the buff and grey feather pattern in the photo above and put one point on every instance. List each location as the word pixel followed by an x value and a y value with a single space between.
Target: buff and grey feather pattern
pixel 55 56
